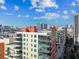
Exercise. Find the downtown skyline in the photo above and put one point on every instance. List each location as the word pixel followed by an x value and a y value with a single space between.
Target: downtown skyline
pixel 31 12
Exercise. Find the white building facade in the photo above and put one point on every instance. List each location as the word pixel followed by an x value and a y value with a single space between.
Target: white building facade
pixel 33 45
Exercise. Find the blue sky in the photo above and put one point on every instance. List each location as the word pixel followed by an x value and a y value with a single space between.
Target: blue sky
pixel 31 12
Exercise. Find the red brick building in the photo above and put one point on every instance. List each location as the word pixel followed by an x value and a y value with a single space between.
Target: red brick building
pixel 1 50
pixel 54 29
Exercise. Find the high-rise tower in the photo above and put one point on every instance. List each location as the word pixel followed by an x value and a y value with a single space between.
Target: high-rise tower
pixel 76 27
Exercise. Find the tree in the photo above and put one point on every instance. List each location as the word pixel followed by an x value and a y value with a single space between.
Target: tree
pixel 8 51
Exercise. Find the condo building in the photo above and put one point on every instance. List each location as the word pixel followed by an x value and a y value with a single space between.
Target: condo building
pixel 33 45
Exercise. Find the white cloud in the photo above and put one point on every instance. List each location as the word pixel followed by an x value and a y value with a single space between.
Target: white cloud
pixel 44 4
pixel 23 0
pixel 73 3
pixel 49 3
pixel 2 1
pixel 48 16
pixel 26 16
pixel 16 7
pixel 3 7
pixel 73 11
pixel 40 10
pixel 53 16
pixel 65 12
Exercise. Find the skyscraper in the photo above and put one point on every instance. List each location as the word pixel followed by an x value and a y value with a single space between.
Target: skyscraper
pixel 76 27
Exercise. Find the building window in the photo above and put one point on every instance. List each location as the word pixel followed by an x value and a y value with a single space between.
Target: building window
pixel 19 35
pixel 27 53
pixel 27 48
pixel 34 35
pixel 31 40
pixel 34 50
pixel 27 44
pixel 27 35
pixel 24 57
pixel 24 47
pixel 31 55
pixel 34 56
pixel 24 39
pixel 24 35
pixel 24 43
pixel 31 35
pixel 35 41
pixel 34 45
pixel 24 53
pixel 31 49
pixel 31 45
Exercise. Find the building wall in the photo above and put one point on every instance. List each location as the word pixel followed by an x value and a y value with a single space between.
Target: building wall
pixel 30 45
pixel 61 38
pixel 18 46
pixel 44 47
pixel 1 50
pixel 54 43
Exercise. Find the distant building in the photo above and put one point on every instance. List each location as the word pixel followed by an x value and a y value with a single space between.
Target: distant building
pixel 6 30
pixel 1 31
pixel 42 26
pixel 76 27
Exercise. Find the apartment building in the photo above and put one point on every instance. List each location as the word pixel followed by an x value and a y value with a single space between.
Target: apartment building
pixel 31 44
